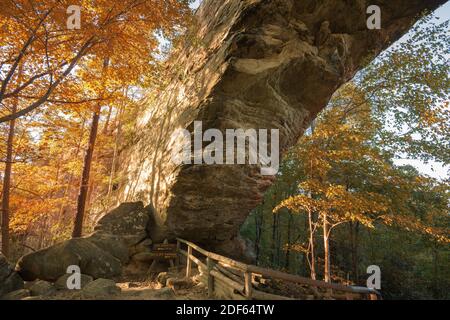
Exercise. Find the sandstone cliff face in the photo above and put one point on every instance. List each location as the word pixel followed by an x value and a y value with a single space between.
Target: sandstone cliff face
pixel 261 64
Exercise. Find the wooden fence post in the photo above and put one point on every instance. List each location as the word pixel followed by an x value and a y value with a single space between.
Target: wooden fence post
pixel 210 266
pixel 248 284
pixel 177 261
pixel 188 263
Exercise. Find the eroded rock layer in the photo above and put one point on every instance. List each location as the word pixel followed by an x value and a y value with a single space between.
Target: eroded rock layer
pixel 253 64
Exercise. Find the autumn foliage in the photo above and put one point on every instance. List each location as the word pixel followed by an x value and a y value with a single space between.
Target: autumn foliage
pixel 71 92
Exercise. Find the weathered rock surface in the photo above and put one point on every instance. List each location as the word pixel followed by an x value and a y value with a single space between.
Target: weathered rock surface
pixel 143 257
pixel 128 222
pixel 51 263
pixel 61 283
pixel 144 246
pixel 101 287
pixel 9 280
pixel 42 288
pixel 100 255
pixel 17 295
pixel 261 64
pixel 112 244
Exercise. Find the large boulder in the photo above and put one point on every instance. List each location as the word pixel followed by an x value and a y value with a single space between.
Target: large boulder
pixel 128 222
pixel 101 288
pixel 112 244
pixel 100 255
pixel 51 263
pixel 42 288
pixel 61 283
pixel 143 246
pixel 9 280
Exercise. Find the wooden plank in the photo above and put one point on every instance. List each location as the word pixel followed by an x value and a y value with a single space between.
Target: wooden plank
pixel 229 274
pixel 300 280
pixel 237 271
pixel 228 261
pixel 223 291
pixel 210 266
pixel 192 245
pixel 237 286
pixel 194 259
pixel 188 263
pixel 177 262
pixel 249 269
pixel 162 255
pixel 259 295
pixel 248 285
pixel 165 247
pixel 215 256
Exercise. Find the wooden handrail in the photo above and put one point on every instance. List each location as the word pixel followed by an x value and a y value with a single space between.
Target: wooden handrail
pixel 248 270
pixel 215 256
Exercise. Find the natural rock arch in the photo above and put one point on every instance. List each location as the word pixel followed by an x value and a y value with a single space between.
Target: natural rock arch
pixel 261 64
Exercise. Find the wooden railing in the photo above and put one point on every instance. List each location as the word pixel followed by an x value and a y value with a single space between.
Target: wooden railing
pixel 226 277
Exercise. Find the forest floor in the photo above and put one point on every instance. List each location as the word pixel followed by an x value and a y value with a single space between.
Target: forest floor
pixel 141 288
pixel 136 291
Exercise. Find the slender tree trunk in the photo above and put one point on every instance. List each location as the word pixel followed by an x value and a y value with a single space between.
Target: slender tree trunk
pixel 274 253
pixel 278 246
pixel 71 177
pixel 436 288
pixel 354 229
pixel 288 248
pixel 274 226
pixel 7 174
pixel 84 186
pixel 7 185
pixel 310 221
pixel 326 249
pixel 259 222
pixel 311 247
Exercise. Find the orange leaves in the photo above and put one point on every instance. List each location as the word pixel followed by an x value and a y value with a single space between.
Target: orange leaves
pixel 345 177
pixel 63 80
pixel 34 34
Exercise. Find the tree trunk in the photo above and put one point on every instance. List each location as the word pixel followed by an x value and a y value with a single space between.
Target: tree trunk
pixel 311 247
pixel 310 221
pixel 289 240
pixel 326 249
pixel 7 174
pixel 66 193
pixel 436 287
pixel 354 229
pixel 274 228
pixel 84 186
pixel 7 185
pixel 259 222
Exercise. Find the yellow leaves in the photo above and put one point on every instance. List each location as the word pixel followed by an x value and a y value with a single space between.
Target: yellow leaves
pixel 413 224
pixel 297 204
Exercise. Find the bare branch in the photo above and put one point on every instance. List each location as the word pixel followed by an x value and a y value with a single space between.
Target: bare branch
pixel 84 49
pixel 20 55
